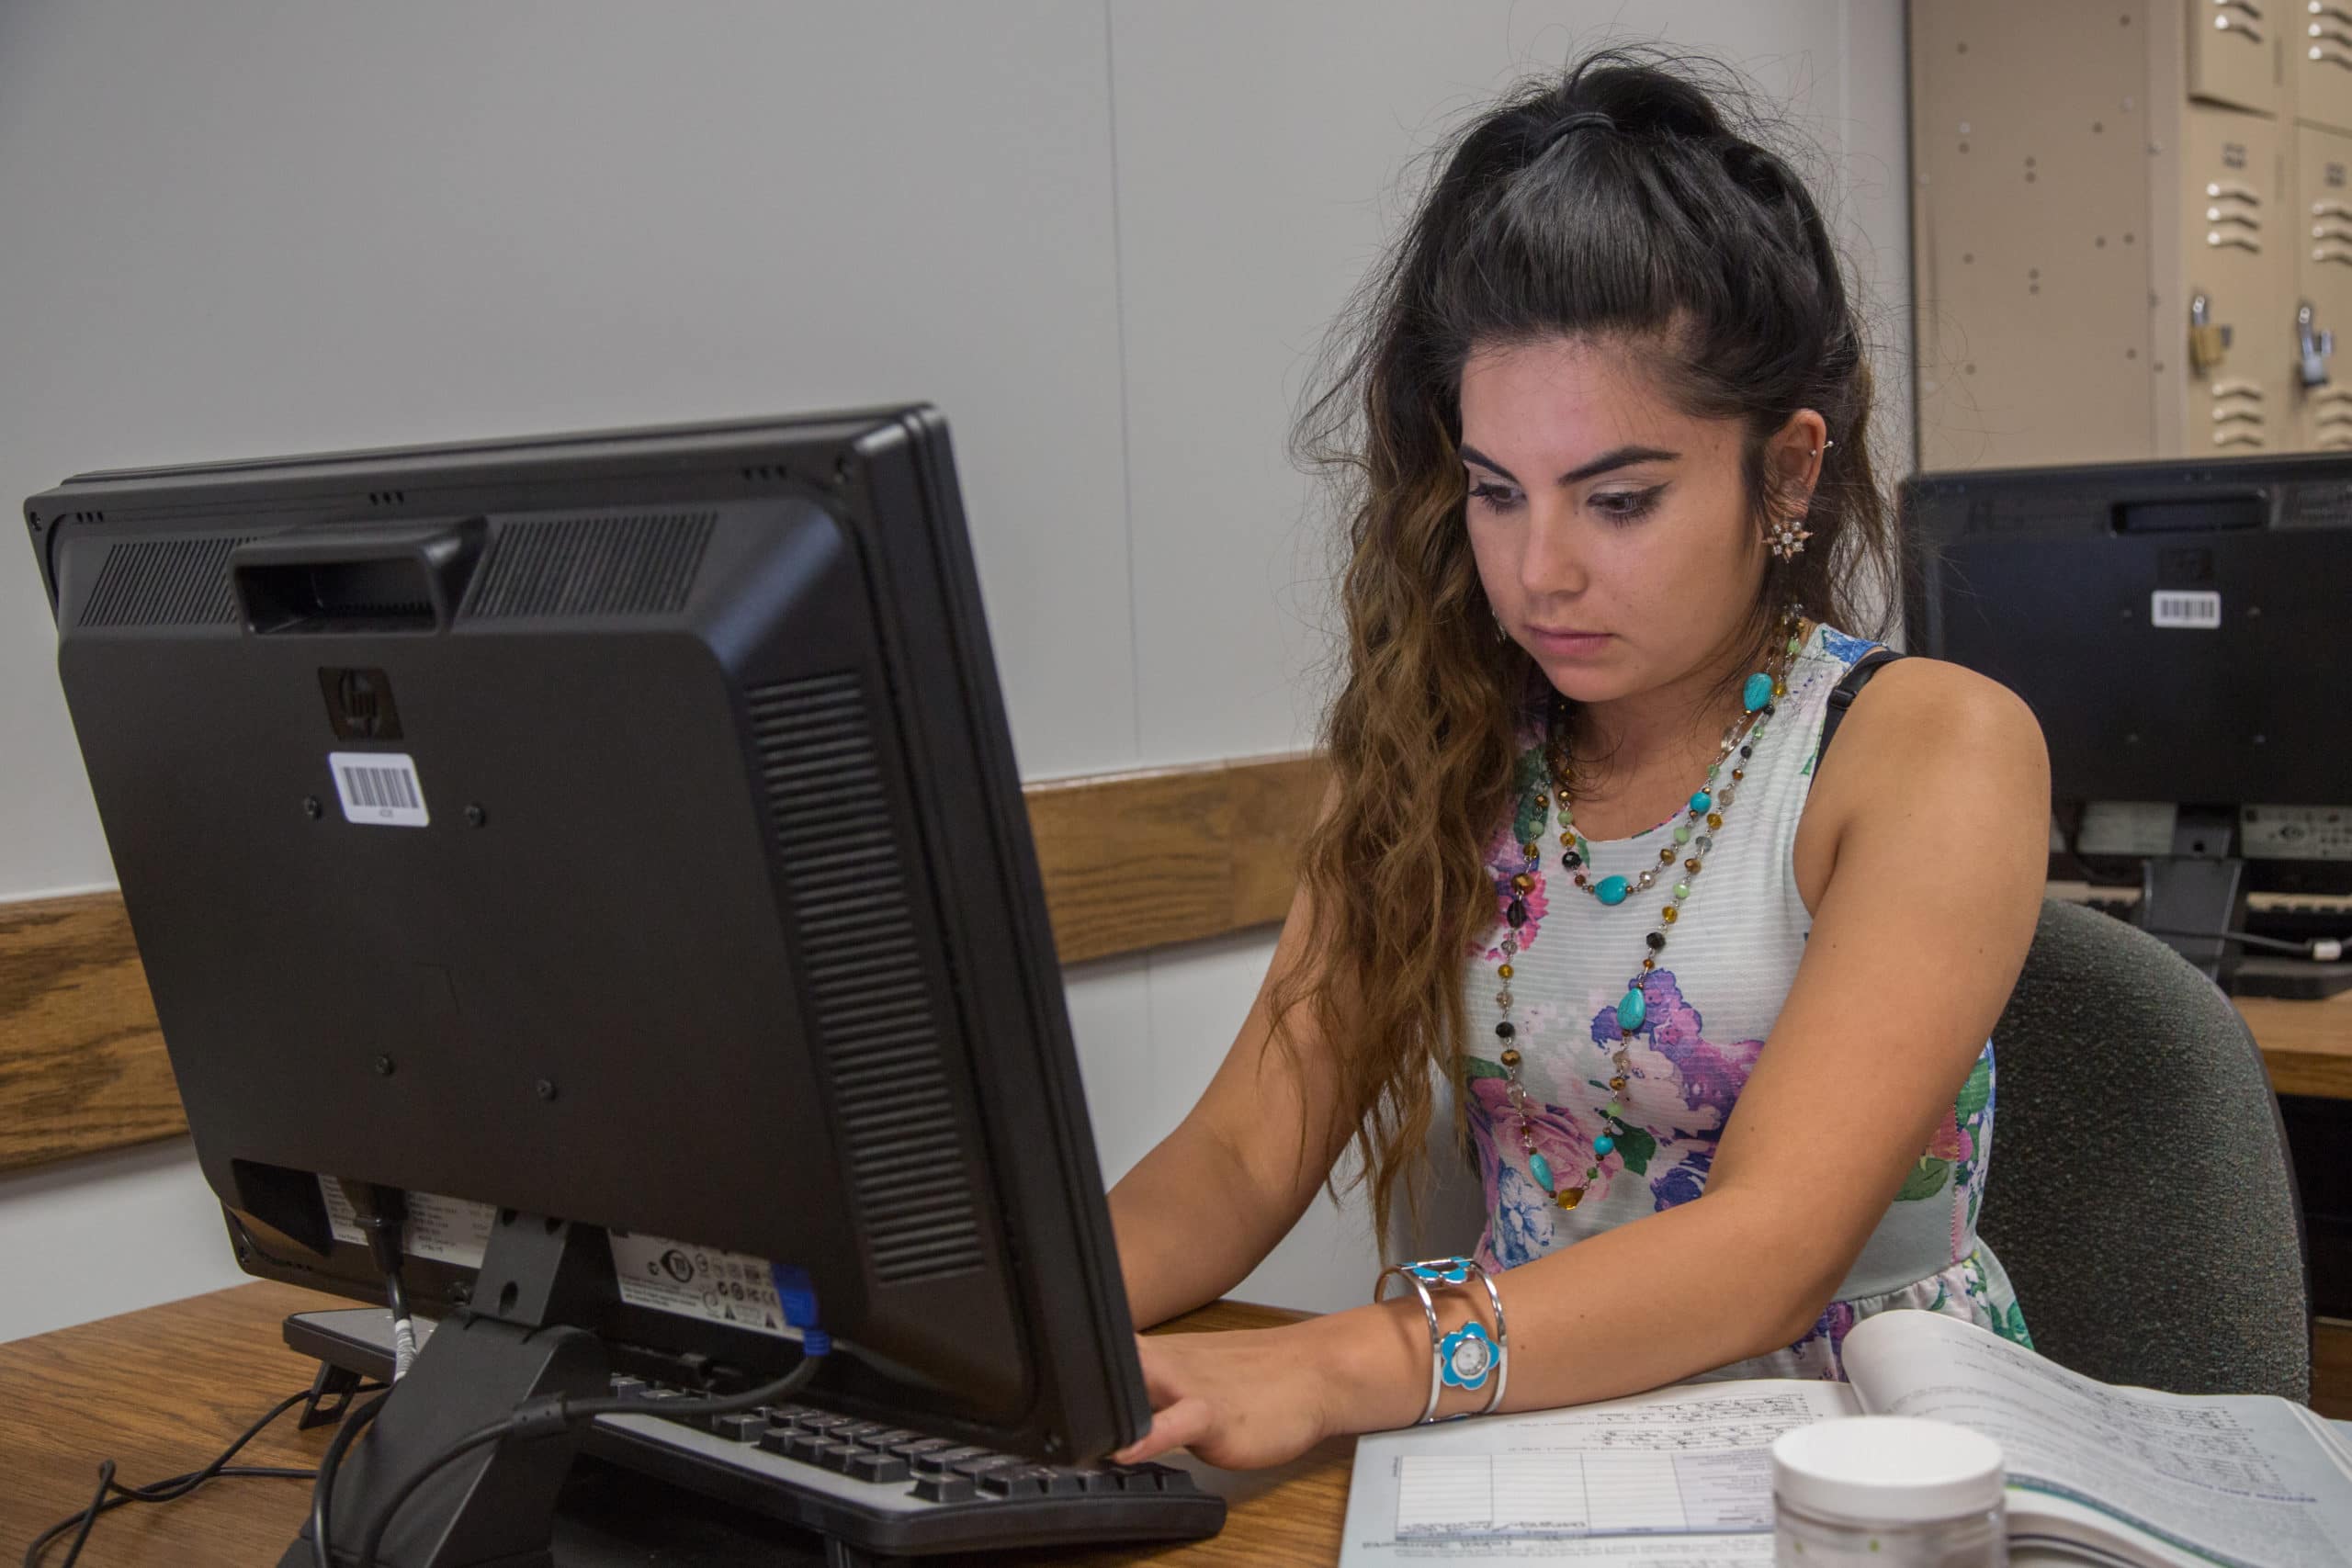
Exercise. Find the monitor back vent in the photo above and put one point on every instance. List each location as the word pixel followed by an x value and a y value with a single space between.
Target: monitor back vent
pixel 642 564
pixel 851 900
pixel 165 583
pixel 2318 506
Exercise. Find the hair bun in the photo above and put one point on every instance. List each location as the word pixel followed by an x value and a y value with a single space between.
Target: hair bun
pixel 1583 120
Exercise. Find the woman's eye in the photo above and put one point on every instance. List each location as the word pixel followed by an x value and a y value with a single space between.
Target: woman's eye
pixel 1626 505
pixel 1497 496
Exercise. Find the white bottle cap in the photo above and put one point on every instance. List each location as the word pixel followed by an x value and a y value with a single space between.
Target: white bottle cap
pixel 1887 1470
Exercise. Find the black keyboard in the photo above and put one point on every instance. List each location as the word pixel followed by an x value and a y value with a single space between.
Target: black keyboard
pixel 2301 919
pixel 881 1490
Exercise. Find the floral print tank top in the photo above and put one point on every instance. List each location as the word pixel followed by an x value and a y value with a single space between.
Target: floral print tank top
pixel 1712 1002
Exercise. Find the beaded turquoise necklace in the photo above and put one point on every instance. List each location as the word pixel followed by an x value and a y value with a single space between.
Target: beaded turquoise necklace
pixel 1706 807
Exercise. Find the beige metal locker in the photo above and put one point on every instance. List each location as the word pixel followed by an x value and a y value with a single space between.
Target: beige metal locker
pixel 2319 54
pixel 2031 222
pixel 2238 246
pixel 2322 218
pixel 2234 49
pixel 2131 228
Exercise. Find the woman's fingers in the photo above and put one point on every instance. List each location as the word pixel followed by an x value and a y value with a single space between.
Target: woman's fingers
pixel 1182 1423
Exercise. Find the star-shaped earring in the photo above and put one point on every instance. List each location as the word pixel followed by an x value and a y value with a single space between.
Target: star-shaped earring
pixel 1787 539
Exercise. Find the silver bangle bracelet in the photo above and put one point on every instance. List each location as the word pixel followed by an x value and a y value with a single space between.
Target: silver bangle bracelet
pixel 1502 1343
pixel 1429 1311
pixel 1469 1356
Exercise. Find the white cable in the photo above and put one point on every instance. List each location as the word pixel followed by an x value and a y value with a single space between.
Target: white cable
pixel 403 1345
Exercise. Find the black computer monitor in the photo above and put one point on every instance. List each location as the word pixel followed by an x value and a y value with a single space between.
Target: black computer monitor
pixel 2180 628
pixel 614 842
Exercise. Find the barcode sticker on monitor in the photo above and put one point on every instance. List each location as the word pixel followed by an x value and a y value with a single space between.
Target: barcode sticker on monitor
pixel 2199 611
pixel 379 789
pixel 697 1281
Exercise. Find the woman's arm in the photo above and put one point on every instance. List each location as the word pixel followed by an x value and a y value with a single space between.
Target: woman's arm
pixel 1206 1205
pixel 1939 801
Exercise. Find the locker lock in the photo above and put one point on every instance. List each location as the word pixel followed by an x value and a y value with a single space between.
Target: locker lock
pixel 2313 347
pixel 2207 342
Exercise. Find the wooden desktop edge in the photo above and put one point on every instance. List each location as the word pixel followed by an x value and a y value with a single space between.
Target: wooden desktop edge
pixel 162 1390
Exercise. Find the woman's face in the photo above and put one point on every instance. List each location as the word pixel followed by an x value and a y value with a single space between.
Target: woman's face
pixel 1612 532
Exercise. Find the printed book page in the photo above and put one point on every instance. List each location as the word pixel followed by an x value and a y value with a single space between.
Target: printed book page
pixel 2244 1480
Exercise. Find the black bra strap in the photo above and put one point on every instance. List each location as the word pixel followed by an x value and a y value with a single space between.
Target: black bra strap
pixel 1842 696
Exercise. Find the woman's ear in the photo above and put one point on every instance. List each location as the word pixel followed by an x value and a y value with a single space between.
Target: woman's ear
pixel 1793 462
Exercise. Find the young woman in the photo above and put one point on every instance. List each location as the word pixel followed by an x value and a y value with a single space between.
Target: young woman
pixel 1712 1002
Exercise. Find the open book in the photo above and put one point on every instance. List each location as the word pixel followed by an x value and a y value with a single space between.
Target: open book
pixel 1683 1476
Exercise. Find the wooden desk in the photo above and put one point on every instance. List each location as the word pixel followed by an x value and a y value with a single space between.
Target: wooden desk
pixel 2307 1045
pixel 162 1391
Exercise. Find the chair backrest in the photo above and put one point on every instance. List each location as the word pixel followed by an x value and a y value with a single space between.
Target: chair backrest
pixel 2141 1196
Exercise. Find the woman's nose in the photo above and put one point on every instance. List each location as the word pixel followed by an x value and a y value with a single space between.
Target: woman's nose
pixel 1552 555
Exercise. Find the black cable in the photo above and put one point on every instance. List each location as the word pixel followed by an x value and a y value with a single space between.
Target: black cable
pixel 322 1489
pixel 165 1491
pixel 544 1418
pixel 126 1496
pixel 195 1479
pixel 90 1513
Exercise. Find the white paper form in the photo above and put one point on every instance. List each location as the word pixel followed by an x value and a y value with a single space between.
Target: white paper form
pixel 1678 1478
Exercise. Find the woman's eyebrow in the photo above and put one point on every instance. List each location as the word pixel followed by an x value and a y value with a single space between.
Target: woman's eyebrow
pixel 1620 457
pixel 1471 455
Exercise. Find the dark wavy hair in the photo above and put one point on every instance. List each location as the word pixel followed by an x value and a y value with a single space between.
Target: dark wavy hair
pixel 1622 200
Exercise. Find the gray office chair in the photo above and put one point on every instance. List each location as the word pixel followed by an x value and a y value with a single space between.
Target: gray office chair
pixel 2141 1196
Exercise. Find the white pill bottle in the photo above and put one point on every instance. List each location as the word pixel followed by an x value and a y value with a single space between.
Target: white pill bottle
pixel 1887 1492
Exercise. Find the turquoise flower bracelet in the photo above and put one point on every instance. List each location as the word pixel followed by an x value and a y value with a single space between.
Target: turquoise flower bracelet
pixel 1469 1356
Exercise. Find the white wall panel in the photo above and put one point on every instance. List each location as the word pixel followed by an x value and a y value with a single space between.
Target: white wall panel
pixel 1104 235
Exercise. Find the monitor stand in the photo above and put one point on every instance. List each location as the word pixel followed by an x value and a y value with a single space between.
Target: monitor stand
pixel 493 1507
pixel 2200 886
pixel 606 1515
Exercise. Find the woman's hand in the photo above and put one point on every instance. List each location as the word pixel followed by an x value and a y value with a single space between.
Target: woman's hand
pixel 1247 1398
pixel 1241 1399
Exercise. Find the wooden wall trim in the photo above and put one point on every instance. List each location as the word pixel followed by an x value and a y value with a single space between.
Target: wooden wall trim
pixel 1130 861
pixel 81 1067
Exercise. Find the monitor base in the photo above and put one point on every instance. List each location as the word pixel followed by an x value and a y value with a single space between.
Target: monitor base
pixel 2297 979
pixel 493 1507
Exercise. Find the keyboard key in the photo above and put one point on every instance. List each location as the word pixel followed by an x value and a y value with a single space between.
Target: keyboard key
pixel 835 1456
pixel 889 1438
pixel 626 1387
pixel 869 1464
pixel 946 1488
pixel 739 1429
pixel 1150 1478
pixel 985 1462
pixel 1168 1478
pixel 823 1421
pixel 1062 1481
pixel 939 1461
pixel 920 1447
pixel 805 1447
pixel 1015 1481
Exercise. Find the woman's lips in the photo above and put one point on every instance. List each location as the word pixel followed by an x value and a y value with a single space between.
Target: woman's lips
pixel 1568 642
